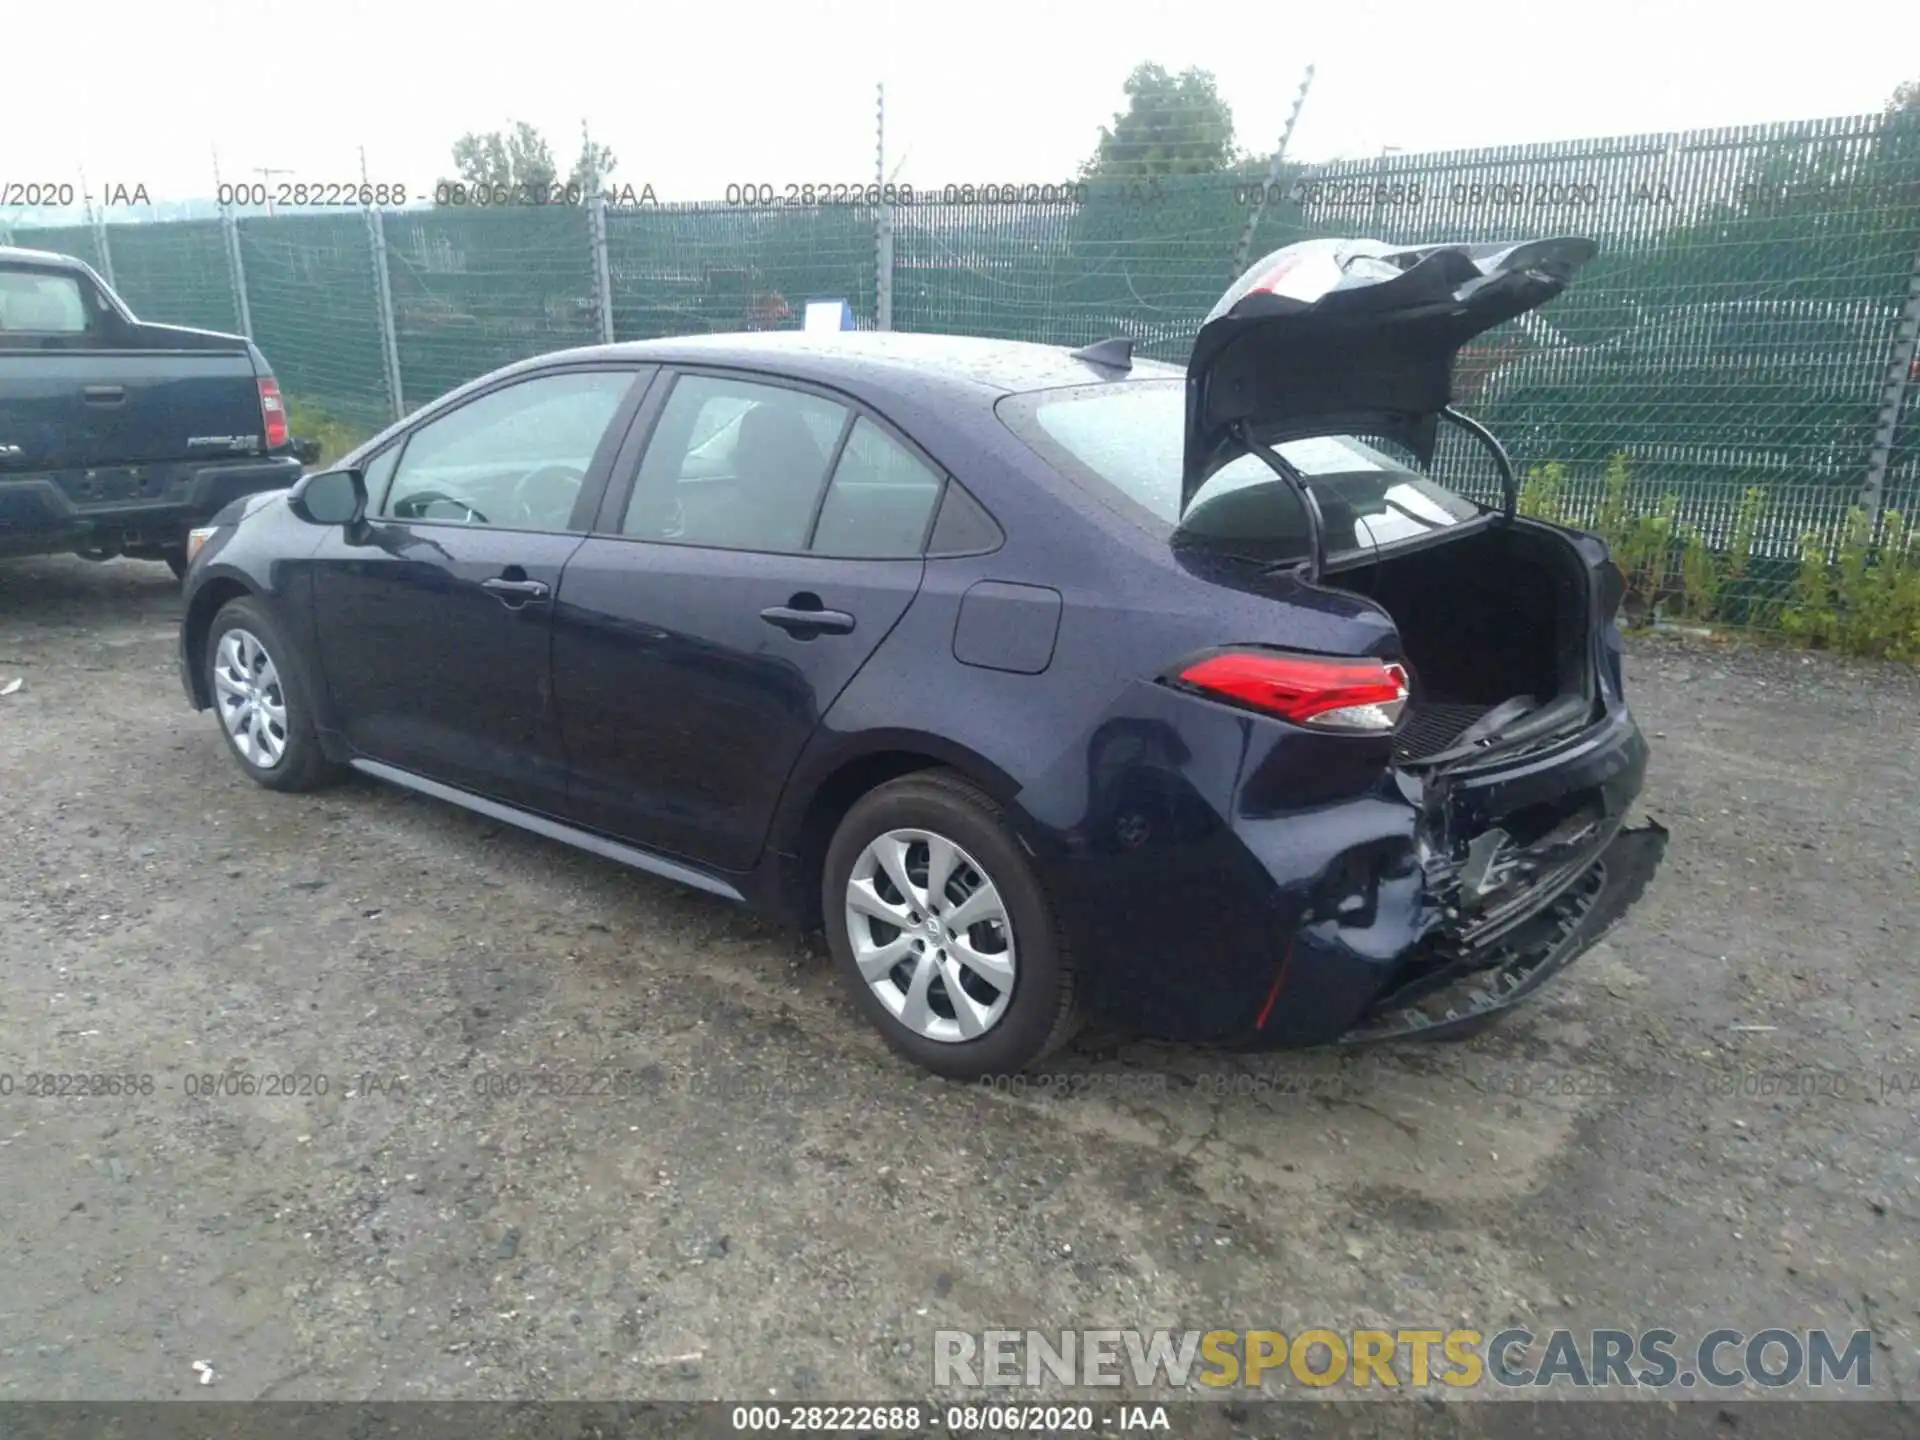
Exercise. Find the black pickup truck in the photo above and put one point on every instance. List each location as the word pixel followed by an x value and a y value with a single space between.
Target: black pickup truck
pixel 118 436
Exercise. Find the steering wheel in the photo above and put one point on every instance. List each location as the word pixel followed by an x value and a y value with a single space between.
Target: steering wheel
pixel 552 510
pixel 415 506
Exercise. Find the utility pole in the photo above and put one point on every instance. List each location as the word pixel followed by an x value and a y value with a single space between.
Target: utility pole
pixel 266 174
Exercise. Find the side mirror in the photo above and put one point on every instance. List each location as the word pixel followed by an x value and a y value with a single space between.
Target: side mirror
pixel 330 497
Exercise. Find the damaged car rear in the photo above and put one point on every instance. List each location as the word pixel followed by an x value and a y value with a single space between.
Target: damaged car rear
pixel 1392 799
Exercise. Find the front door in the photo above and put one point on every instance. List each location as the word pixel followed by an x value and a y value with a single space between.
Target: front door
pixel 435 618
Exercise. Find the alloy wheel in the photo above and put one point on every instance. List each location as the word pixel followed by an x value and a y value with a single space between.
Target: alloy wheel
pixel 252 704
pixel 930 935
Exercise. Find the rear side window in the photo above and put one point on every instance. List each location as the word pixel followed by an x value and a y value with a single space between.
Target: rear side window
pixel 736 465
pixel 1125 442
pixel 40 302
pixel 880 501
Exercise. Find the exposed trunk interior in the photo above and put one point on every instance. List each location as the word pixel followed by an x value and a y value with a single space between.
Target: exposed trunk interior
pixel 1495 631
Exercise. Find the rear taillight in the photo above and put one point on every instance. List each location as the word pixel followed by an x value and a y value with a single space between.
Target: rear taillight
pixel 273 413
pixel 1360 696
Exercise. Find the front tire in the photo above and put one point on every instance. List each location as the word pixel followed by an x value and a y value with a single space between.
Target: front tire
pixel 942 930
pixel 265 715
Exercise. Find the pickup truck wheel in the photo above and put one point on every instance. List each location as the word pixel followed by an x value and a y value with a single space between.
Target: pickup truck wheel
pixel 254 679
pixel 177 562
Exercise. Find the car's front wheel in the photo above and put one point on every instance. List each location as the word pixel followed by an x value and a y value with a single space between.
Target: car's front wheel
pixel 260 701
pixel 943 931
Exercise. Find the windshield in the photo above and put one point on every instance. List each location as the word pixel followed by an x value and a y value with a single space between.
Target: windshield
pixel 1126 441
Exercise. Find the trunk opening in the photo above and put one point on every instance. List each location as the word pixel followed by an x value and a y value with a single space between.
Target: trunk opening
pixel 1494 629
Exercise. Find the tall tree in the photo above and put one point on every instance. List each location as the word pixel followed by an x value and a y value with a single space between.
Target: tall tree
pixel 518 160
pixel 1173 125
pixel 594 167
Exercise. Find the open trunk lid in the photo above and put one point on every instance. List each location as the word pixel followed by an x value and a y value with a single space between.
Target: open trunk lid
pixel 1353 337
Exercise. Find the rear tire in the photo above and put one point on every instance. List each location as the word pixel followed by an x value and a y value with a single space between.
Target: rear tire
pixel 261 702
pixel 176 559
pixel 1006 957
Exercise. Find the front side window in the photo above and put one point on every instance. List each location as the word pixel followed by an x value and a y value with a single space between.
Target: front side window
pixel 514 459
pixel 735 464
pixel 1126 440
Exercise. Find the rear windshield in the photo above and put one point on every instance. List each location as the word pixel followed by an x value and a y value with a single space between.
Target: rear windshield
pixel 1125 441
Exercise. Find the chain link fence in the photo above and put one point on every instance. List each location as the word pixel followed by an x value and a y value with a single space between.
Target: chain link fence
pixel 1728 393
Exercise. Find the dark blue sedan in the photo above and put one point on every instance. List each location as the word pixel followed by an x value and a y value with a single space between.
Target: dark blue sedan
pixel 1050 683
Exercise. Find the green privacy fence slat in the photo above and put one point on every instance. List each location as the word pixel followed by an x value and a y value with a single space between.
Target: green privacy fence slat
pixel 177 273
pixel 475 290
pixel 679 270
pixel 1738 328
pixel 314 302
pixel 75 240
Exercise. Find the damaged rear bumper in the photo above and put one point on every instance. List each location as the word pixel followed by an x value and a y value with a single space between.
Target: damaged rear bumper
pixel 1239 882
pixel 1520 868
pixel 1454 985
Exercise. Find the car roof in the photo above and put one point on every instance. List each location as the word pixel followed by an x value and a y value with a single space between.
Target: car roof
pixel 886 359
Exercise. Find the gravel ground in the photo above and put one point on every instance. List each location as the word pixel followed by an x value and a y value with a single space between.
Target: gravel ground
pixel 770 1204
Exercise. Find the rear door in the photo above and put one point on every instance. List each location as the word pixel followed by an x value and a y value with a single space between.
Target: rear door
pixel 767 539
pixel 435 618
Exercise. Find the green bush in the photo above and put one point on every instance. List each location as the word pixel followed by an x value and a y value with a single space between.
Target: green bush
pixel 307 421
pixel 1863 601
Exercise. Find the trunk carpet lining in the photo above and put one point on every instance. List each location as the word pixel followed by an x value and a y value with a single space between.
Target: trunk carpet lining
pixel 1432 726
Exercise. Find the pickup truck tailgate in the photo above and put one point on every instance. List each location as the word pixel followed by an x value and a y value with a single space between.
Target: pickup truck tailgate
pixel 101 409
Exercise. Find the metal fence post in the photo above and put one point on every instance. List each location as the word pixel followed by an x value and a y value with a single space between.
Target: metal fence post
pixel 237 271
pixel 1243 251
pixel 602 271
pixel 882 218
pixel 883 268
pixel 389 335
pixel 103 249
pixel 1893 395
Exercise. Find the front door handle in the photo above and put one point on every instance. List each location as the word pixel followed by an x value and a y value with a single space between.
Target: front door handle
pixel 804 624
pixel 104 394
pixel 514 593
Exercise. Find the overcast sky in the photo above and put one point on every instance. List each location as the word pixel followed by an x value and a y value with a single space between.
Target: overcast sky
pixel 692 96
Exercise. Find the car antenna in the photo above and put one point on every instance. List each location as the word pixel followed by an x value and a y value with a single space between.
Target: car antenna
pixel 1117 353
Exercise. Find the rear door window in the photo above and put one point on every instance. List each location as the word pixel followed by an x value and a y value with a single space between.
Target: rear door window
pixel 881 499
pixel 735 464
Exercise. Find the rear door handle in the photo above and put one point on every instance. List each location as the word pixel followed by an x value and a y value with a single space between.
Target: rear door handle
pixel 805 624
pixel 515 592
pixel 104 394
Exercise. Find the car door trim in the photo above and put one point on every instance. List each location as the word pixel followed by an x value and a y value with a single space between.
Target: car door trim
pixel 552 829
